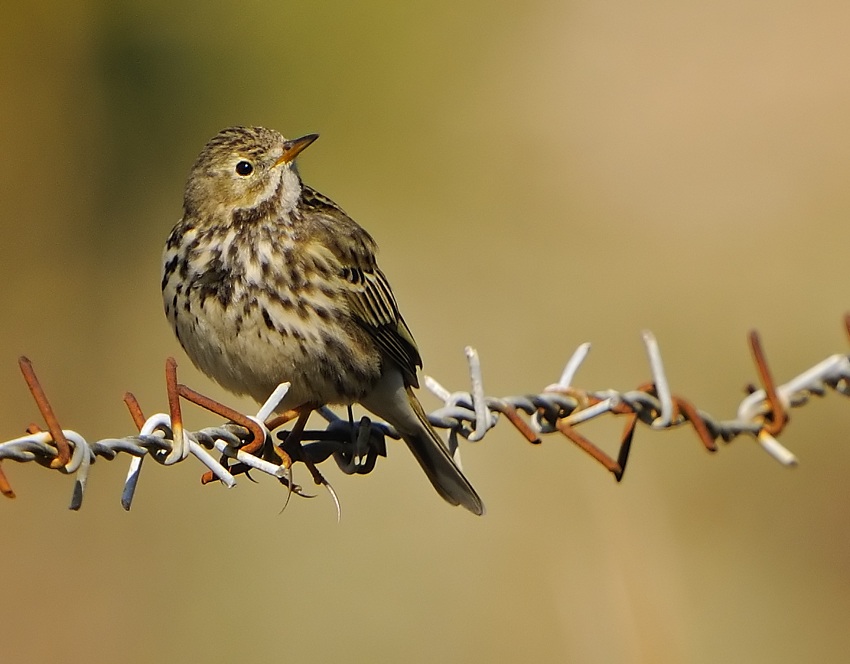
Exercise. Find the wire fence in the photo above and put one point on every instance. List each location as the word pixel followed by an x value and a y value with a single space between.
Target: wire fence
pixel 246 442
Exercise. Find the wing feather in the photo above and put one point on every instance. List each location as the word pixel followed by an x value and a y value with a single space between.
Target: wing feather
pixel 370 296
pixel 375 308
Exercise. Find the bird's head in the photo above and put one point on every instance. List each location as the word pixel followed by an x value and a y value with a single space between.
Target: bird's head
pixel 245 171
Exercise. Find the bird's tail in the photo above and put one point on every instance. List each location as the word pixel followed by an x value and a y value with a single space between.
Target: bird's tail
pixel 434 457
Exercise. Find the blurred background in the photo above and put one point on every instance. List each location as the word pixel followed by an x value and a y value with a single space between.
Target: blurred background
pixel 537 176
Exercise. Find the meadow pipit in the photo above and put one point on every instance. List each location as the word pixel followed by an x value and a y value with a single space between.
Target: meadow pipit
pixel 267 281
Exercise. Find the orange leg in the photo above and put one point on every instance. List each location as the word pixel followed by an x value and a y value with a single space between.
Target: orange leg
pixel 279 420
pixel 291 448
pixel 293 438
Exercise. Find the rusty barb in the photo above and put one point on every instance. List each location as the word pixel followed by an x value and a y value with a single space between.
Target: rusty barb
pixel 246 443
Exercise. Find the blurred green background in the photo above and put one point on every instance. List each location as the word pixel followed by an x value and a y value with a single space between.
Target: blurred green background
pixel 537 175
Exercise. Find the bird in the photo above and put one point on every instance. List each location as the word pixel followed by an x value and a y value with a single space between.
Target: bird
pixel 265 281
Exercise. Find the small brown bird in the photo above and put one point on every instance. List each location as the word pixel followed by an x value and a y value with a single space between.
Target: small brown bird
pixel 267 281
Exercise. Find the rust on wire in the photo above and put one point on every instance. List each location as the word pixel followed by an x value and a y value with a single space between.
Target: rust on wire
pixel 510 412
pixel 776 418
pixel 653 413
pixel 626 445
pixel 5 487
pixel 684 411
pixel 205 402
pixel 135 410
pixel 174 411
pixel 585 444
pixel 559 408
pixel 689 412
pixel 258 436
pixel 582 398
pixel 63 449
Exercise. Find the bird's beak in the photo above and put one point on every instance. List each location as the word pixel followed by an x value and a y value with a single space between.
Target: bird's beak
pixel 291 149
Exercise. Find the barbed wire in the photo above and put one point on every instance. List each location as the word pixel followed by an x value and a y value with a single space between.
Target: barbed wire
pixel 246 443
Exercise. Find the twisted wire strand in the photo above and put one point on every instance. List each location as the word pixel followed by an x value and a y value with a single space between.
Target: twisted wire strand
pixel 355 446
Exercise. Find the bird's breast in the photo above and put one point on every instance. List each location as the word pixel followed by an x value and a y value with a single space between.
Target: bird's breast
pixel 254 314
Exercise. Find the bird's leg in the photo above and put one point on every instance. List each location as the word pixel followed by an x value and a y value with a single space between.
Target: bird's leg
pixel 273 423
pixel 291 447
pixel 279 420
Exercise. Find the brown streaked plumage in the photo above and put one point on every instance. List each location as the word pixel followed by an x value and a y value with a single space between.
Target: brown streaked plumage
pixel 266 281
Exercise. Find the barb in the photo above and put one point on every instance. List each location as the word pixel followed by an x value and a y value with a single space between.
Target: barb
pixel 659 381
pixel 5 487
pixel 63 455
pixel 245 442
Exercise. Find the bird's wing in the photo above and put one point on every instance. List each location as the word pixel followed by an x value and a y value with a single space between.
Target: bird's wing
pixel 369 294
pixel 375 308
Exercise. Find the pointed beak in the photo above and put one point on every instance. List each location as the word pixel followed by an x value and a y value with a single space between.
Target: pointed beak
pixel 292 149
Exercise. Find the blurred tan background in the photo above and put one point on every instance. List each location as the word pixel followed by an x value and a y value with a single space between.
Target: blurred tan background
pixel 536 177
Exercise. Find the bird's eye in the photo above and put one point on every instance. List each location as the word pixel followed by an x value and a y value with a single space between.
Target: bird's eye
pixel 244 168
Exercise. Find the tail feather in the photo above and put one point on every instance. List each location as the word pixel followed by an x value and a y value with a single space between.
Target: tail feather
pixel 434 457
pixel 393 400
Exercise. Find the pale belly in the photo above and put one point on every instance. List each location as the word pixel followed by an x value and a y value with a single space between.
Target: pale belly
pixel 250 348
